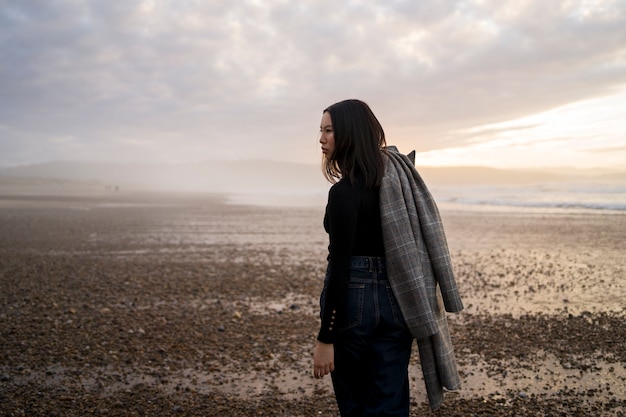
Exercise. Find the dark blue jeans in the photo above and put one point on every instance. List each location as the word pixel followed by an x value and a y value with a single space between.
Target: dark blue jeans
pixel 373 349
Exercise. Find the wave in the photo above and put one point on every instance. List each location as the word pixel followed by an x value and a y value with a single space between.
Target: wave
pixel 553 197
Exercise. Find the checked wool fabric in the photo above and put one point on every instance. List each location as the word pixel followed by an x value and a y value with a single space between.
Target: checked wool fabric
pixel 420 270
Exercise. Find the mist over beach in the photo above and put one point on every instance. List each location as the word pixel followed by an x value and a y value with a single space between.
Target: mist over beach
pixel 285 183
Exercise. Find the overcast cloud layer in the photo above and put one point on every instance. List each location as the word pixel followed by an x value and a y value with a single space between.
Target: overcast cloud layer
pixel 176 81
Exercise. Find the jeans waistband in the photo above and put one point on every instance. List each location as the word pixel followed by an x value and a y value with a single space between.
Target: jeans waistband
pixel 372 263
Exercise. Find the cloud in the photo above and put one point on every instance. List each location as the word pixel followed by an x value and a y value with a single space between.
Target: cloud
pixel 574 132
pixel 175 81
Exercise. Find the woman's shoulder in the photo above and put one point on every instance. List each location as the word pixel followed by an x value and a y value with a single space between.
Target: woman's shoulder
pixel 342 183
pixel 342 191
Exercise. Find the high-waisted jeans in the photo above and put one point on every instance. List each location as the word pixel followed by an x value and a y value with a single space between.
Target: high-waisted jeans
pixel 373 348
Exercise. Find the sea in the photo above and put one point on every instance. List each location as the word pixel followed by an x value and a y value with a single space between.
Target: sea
pixel 555 197
pixel 548 197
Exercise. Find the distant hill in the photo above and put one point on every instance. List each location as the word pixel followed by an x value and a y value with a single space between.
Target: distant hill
pixel 214 176
pixel 250 176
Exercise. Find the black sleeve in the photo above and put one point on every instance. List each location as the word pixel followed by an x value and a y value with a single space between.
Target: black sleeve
pixel 341 212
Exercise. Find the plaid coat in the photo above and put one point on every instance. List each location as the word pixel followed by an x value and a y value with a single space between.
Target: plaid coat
pixel 418 263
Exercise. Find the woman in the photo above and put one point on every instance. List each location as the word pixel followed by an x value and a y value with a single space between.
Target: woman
pixel 364 341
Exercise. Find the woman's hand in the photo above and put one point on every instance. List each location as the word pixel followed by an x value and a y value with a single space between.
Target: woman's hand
pixel 323 359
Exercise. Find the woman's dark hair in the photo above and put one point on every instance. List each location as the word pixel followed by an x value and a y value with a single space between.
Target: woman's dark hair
pixel 359 138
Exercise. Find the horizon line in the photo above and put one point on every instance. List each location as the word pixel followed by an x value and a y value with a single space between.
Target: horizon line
pixel 613 169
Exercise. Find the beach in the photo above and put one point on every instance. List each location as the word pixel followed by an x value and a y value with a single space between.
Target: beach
pixel 159 305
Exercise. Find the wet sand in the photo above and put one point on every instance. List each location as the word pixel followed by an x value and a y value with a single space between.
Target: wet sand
pixel 160 305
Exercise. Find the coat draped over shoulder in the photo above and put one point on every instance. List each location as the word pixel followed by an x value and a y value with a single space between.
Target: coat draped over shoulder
pixel 420 270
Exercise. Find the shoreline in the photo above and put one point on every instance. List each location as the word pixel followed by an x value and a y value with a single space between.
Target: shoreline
pixel 448 198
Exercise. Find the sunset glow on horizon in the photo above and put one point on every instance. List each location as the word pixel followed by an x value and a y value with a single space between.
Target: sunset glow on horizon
pixel 586 134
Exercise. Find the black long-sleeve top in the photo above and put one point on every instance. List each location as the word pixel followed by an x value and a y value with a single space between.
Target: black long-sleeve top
pixel 352 221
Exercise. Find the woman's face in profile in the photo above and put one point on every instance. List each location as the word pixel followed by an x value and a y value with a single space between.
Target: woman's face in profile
pixel 327 135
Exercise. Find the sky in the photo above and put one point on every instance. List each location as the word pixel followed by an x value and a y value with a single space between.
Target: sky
pixel 508 84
